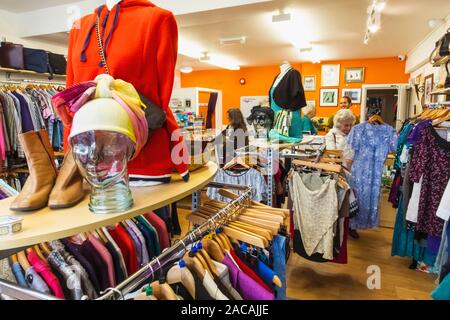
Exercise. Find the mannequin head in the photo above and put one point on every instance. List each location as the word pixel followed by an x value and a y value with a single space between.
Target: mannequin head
pixel 102 156
pixel 103 141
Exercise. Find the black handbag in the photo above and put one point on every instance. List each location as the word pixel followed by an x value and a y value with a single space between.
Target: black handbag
pixel 36 60
pixel 58 63
pixel 11 55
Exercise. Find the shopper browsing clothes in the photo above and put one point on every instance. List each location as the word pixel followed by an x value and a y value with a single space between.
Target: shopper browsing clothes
pixel 345 104
pixel 235 136
pixel 309 112
pixel 336 139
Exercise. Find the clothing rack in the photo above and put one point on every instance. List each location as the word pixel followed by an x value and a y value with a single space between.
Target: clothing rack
pixel 178 250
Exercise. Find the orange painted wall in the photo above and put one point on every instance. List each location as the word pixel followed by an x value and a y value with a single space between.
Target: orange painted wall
pixel 259 80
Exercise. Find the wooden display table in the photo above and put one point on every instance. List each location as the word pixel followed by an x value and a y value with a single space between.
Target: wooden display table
pixel 47 225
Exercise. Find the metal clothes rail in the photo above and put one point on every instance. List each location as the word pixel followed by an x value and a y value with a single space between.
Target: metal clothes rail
pixel 179 249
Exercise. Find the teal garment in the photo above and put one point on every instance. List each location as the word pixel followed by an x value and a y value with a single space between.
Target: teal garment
pixel 274 136
pixel 308 125
pixel 402 141
pixel 403 243
pixel 296 129
pixel 156 248
pixel 442 292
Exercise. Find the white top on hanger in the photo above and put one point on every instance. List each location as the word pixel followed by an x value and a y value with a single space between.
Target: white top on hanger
pixel 111 3
pixel 284 68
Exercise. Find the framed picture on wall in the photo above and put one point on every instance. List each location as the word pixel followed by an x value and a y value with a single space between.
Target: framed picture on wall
pixel 309 83
pixel 330 75
pixel 354 75
pixel 329 97
pixel 354 94
pixel 428 84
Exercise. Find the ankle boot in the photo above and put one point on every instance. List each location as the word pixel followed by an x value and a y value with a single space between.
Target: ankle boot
pixel 43 134
pixel 68 189
pixel 39 184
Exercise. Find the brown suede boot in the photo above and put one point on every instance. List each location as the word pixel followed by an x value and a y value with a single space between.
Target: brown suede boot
pixel 39 184
pixel 68 189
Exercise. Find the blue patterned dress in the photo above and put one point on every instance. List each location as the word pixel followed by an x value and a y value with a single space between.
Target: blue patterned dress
pixel 371 145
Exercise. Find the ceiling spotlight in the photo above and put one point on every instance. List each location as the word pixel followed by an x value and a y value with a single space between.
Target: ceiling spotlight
pixel 232 41
pixel 281 17
pixel 186 69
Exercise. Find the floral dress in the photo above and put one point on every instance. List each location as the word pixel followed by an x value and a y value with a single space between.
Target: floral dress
pixel 371 144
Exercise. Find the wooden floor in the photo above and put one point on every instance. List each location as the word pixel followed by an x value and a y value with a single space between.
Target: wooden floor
pixel 308 280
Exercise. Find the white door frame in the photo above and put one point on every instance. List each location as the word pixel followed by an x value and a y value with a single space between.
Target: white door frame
pixel 401 97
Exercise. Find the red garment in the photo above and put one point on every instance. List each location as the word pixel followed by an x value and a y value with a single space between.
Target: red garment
pixel 161 229
pixel 126 245
pixel 252 274
pixel 342 256
pixel 142 50
pixel 46 273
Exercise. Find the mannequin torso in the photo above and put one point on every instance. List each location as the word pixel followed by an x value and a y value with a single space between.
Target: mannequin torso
pixel 111 3
pixel 284 68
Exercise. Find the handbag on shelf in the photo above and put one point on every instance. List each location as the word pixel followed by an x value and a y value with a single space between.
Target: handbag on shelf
pixel 58 63
pixel 442 49
pixel 11 56
pixel 36 60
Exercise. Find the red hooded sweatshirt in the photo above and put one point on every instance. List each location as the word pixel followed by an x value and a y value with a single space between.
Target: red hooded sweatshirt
pixel 141 46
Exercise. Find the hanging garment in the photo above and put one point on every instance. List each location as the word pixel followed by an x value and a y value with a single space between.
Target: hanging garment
pixel 35 281
pixel 250 178
pixel 137 243
pixel 443 211
pixel 118 270
pixel 212 288
pixel 75 251
pixel 145 258
pixel 371 145
pixel 126 246
pixel 86 283
pixel 149 35
pixel 161 228
pixel 443 254
pixel 248 288
pixel 224 277
pixel 442 292
pixel 413 206
pixel 154 244
pixel 431 161
pixel 291 119
pixel 116 248
pixel 72 279
pixel 46 273
pixel 106 257
pixel 6 272
pixel 315 212
pixel 19 274
pixel 148 238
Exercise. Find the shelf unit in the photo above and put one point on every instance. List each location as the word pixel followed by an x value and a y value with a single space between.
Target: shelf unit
pixel 9 71
pixel 442 61
pixel 47 225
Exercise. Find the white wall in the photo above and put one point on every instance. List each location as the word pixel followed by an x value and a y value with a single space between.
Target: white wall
pixel 418 62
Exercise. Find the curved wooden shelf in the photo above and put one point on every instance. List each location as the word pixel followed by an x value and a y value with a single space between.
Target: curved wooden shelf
pixel 47 225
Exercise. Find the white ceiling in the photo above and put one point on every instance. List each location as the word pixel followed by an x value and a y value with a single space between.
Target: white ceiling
pixel 335 28
pixel 20 6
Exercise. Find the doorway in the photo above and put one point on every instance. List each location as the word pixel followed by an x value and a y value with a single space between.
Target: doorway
pixel 388 101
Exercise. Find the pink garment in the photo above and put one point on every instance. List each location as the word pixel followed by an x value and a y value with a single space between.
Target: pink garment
pixel 161 229
pixel 46 273
pixel 106 256
pixel 2 138
pixel 248 288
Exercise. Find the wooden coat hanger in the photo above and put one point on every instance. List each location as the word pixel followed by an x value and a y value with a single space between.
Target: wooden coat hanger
pixel 211 266
pixel 45 248
pixel 245 236
pixel 214 250
pixel 102 236
pixel 194 265
pixel 38 251
pixel 21 256
pixel 273 227
pixel 14 258
pixel 234 162
pixel 181 275
pixel 375 119
pixel 163 291
pixel 253 229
